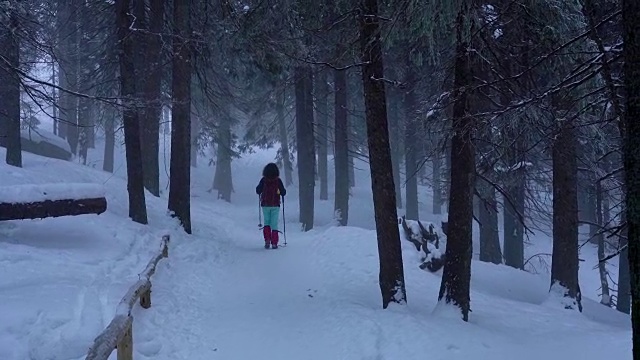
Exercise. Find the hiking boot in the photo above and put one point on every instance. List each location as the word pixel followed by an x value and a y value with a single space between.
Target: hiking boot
pixel 267 245
pixel 274 239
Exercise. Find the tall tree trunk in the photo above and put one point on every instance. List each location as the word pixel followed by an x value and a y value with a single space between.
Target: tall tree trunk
pixel 109 141
pixel 587 206
pixel 54 95
pixel 195 130
pixel 153 98
pixel 352 166
pixel 322 93
pixel 223 181
pixel 394 139
pixel 436 164
pixel 488 217
pixel 10 92
pixel 487 206
pixel 602 265
pixel 564 261
pixel 64 98
pixel 86 63
pixel 309 102
pixel 631 56
pixel 180 169
pixel 623 304
pixel 135 186
pixel 84 127
pixel 411 146
pixel 447 168
pixel 341 157
pixel 306 153
pixel 392 284
pixel 62 53
pixel 456 275
pixel 72 72
pixel 284 139
pixel 514 201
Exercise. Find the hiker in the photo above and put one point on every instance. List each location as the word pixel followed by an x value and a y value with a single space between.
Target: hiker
pixel 270 189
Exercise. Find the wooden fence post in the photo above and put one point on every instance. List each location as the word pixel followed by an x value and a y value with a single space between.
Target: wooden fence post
pixel 119 332
pixel 125 345
pixel 145 299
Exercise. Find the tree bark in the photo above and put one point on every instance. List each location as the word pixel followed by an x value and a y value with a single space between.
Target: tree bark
pixel 61 52
pixel 456 276
pixel 85 119
pixel 73 67
pixel 55 95
pixel 223 181
pixel 447 169
pixel 10 93
pixel 352 166
pixel 195 131
pixel 514 201
pixel 623 304
pixel 284 139
pixel 109 141
pixel 341 157
pixel 394 139
pixel 631 56
pixel 488 216
pixel 135 186
pixel 437 182
pixel 86 64
pixel 153 98
pixel 180 169
pixel 411 147
pixel 52 208
pixel 599 235
pixel 392 284
pixel 322 93
pixel 564 261
pixel 306 152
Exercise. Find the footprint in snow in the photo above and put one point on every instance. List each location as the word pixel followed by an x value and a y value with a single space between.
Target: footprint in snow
pixel 452 347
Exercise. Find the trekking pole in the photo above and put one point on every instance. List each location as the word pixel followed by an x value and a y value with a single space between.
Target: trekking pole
pixel 284 224
pixel 259 214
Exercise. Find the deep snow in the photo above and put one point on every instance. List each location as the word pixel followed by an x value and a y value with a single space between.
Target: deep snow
pixel 221 295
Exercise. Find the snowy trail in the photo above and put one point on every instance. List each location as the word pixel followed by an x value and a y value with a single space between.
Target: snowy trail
pixel 221 282
pixel 223 296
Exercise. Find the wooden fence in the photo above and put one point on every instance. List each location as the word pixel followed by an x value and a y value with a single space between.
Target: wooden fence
pixel 118 334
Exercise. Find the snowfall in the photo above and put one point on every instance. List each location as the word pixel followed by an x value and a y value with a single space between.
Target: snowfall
pixel 221 295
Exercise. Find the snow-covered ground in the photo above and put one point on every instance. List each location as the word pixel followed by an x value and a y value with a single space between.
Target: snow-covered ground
pixel 221 295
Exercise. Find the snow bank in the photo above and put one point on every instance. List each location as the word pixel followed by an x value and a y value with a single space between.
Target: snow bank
pixel 41 192
pixel 41 135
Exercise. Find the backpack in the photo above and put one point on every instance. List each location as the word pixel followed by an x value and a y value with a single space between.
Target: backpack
pixel 270 192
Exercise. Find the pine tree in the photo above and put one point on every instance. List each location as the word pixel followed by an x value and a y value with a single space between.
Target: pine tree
pixel 392 283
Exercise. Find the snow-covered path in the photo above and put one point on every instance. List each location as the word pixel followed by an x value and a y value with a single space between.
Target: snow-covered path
pixel 224 294
pixel 221 295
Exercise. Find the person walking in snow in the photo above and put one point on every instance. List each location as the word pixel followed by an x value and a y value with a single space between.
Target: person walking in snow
pixel 270 189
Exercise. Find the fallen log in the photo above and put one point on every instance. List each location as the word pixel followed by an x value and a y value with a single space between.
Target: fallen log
pixel 52 208
pixel 51 200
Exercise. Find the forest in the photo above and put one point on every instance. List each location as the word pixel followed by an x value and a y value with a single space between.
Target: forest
pixel 519 117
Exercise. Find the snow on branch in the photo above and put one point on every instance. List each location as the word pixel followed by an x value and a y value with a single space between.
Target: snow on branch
pixel 118 333
pixel 609 257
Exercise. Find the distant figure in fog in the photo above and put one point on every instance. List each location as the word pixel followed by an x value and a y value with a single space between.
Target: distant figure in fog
pixel 270 189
